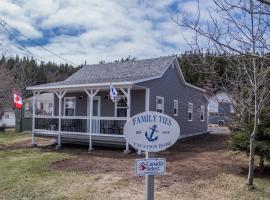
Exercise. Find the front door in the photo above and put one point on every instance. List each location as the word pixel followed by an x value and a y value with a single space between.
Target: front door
pixel 96 114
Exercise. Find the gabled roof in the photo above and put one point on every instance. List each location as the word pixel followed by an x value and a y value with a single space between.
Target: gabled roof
pixel 120 73
pixel 129 71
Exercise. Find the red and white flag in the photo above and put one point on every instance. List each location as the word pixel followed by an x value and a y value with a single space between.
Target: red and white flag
pixel 17 101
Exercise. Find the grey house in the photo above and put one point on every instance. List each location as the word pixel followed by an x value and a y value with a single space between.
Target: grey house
pixel 87 114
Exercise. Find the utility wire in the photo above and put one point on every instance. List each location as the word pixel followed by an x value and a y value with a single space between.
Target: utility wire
pixel 23 46
pixel 4 23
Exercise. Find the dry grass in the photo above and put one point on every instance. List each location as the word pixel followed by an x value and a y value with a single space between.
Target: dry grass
pixel 198 168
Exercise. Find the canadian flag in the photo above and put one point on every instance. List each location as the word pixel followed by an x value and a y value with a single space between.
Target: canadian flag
pixel 17 101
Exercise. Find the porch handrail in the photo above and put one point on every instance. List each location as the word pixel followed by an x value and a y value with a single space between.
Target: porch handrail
pixel 81 117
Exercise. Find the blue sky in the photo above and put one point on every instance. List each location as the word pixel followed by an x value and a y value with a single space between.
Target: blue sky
pixel 94 30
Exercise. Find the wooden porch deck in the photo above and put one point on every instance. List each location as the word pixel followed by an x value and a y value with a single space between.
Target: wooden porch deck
pixel 83 138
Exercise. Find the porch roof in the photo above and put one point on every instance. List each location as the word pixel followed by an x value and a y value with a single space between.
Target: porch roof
pixel 121 73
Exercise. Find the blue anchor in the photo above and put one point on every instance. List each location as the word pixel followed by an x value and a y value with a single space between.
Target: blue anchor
pixel 150 138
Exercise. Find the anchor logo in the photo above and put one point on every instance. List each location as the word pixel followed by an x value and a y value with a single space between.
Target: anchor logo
pixel 150 137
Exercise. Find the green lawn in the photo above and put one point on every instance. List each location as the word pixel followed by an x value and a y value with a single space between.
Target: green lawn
pixel 11 137
pixel 27 173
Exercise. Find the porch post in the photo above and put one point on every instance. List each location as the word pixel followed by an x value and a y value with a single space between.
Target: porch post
pixel 60 95
pixel 147 99
pixel 35 95
pixel 127 94
pixel 91 95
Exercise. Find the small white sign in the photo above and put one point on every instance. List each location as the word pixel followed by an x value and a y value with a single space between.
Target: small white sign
pixel 150 166
pixel 151 131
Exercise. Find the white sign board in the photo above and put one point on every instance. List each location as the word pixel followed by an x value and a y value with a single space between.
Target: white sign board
pixel 151 131
pixel 150 166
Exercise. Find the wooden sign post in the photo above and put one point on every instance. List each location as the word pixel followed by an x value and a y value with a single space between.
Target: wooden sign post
pixel 151 132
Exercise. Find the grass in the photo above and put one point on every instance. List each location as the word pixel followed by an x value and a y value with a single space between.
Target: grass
pixel 27 173
pixel 12 137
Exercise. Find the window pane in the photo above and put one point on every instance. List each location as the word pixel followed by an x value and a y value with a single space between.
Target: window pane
pixel 159 104
pixel 189 116
pixel 70 112
pixel 121 112
pixel 122 101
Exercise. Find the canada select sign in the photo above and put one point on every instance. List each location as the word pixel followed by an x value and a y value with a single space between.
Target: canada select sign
pixel 151 131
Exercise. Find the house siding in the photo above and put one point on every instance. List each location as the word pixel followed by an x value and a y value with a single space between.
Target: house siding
pixel 171 87
pixel 107 106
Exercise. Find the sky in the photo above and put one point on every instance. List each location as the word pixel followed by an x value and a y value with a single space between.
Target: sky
pixel 94 30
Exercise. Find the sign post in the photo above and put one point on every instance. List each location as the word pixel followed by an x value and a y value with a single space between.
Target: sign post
pixel 151 132
pixel 149 180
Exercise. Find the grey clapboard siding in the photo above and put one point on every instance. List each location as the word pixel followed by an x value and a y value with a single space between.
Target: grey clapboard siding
pixel 107 106
pixel 171 87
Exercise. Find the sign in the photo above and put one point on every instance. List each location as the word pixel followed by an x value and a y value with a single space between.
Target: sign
pixel 150 166
pixel 151 131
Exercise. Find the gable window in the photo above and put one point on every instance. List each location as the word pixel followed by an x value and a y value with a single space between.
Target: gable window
pixel 70 105
pixel 190 111
pixel 202 112
pixel 175 107
pixel 160 104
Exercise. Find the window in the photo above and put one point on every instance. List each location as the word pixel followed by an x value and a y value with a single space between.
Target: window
pixel 175 107
pixel 70 105
pixel 160 104
pixel 190 111
pixel 121 106
pixel 202 112
pixel 6 115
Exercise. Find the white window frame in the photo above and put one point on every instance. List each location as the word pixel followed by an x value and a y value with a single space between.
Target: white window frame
pixel 162 98
pixel 65 98
pixel 190 104
pixel 116 107
pixel 175 107
pixel 202 113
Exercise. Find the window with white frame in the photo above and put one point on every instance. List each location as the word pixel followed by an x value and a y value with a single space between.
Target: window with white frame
pixel 121 106
pixel 190 111
pixel 160 104
pixel 175 107
pixel 202 112
pixel 70 106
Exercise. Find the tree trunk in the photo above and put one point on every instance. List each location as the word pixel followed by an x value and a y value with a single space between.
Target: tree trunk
pixel 251 163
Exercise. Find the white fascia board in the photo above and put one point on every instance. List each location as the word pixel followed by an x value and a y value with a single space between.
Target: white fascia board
pixel 183 78
pixel 180 74
pixel 76 86
pixel 154 77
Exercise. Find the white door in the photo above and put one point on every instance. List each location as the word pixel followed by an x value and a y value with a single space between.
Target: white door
pixel 96 113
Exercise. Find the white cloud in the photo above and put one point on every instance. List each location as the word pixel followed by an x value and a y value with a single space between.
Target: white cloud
pixel 106 30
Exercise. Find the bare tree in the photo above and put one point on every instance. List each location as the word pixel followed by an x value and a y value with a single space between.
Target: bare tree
pixel 239 30
pixel 5 89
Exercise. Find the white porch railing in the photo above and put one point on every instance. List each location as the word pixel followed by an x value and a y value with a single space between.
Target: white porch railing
pixel 81 124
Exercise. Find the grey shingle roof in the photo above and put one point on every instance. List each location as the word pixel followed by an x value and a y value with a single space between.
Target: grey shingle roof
pixel 117 72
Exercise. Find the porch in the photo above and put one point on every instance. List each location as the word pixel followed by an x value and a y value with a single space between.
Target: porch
pixel 88 116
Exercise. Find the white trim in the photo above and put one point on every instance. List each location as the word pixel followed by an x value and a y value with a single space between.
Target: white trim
pixel 189 103
pixel 177 107
pixel 183 78
pixel 73 97
pixel 147 99
pixel 98 98
pixel 154 77
pixel 163 103
pixel 85 86
pixel 202 112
